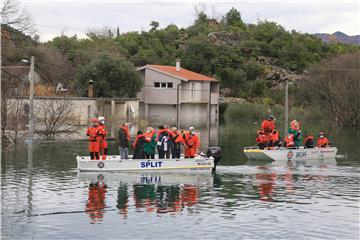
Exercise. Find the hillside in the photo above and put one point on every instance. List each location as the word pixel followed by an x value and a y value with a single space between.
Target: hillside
pixel 250 60
pixel 339 37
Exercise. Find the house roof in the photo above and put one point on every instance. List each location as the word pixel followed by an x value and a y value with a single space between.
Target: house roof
pixel 183 74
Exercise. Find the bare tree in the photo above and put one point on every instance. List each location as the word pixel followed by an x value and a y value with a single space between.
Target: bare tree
pixel 54 117
pixel 334 84
pixel 17 118
pixel 12 14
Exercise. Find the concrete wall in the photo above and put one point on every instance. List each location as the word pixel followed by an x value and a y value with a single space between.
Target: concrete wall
pixel 115 111
pixel 151 95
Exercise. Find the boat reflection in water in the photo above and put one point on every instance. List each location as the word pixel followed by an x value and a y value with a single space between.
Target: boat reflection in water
pixel 270 179
pixel 144 192
pixel 96 200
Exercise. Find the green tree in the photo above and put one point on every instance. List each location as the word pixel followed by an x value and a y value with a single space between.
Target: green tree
pixel 233 18
pixel 112 78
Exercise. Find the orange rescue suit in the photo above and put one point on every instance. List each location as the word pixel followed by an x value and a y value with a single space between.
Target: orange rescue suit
pixel 322 142
pixel 268 125
pixel 103 144
pixel 289 140
pixel 94 141
pixel 192 143
pixel 102 134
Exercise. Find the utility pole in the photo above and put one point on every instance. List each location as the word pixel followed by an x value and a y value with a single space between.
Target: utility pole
pixel 31 99
pixel 209 115
pixel 286 123
pixel 178 105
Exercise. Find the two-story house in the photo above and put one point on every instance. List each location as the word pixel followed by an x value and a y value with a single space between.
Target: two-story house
pixel 175 96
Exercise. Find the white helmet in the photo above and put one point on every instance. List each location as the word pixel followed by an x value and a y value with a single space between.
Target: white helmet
pixel 191 128
pixel 101 119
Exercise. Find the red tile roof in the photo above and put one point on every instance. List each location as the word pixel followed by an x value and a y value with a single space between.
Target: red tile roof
pixel 183 73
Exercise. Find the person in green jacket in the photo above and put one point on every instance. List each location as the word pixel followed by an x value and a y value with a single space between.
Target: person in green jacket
pixel 295 129
pixel 150 143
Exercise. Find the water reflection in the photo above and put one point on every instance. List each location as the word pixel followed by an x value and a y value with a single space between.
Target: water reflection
pixel 96 200
pixel 144 192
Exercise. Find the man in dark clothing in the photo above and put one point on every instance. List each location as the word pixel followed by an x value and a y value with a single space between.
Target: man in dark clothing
pixel 124 138
pixel 138 146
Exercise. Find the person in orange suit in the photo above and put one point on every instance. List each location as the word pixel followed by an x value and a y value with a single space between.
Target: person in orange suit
pixel 268 125
pixel 102 135
pixel 94 140
pixel 261 139
pixel 322 141
pixel 192 143
pixel 289 140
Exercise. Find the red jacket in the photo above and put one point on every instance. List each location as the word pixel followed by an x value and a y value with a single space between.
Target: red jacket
pixel 289 139
pixel 268 125
pixel 102 131
pixel 322 142
pixel 93 133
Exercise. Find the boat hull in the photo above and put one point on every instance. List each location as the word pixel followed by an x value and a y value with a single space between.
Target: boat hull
pixel 116 164
pixel 285 154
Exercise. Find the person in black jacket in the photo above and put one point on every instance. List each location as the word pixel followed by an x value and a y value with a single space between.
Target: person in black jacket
pixel 138 145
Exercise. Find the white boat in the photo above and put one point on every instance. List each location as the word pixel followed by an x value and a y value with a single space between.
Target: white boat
pixel 115 163
pixel 285 154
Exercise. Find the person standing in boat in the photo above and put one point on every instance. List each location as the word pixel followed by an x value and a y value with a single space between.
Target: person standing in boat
pixel 268 126
pixel 322 141
pixel 94 141
pixel 296 131
pixel 150 143
pixel 124 138
pixel 192 143
pixel 138 146
pixel 102 135
pixel 163 144
pixel 177 140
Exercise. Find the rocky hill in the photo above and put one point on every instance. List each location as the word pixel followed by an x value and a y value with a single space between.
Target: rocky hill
pixel 339 37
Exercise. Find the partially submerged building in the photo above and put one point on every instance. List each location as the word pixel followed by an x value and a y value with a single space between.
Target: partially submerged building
pixel 173 95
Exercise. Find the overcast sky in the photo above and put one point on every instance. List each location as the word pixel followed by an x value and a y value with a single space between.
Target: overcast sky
pixel 52 17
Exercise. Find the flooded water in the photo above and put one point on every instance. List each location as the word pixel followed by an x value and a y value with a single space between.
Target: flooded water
pixel 44 197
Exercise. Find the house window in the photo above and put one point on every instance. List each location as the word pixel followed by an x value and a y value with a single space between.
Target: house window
pixel 26 108
pixel 163 85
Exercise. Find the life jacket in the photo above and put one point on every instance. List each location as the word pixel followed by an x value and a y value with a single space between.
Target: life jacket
pixel 192 140
pixel 93 133
pixel 160 132
pixel 268 125
pixel 102 131
pixel 309 141
pixel 137 139
pixel 322 142
pixel 289 140
pixel 275 136
pixel 126 130
pixel 176 137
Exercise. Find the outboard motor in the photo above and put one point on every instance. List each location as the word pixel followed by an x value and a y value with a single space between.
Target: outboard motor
pixel 216 153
